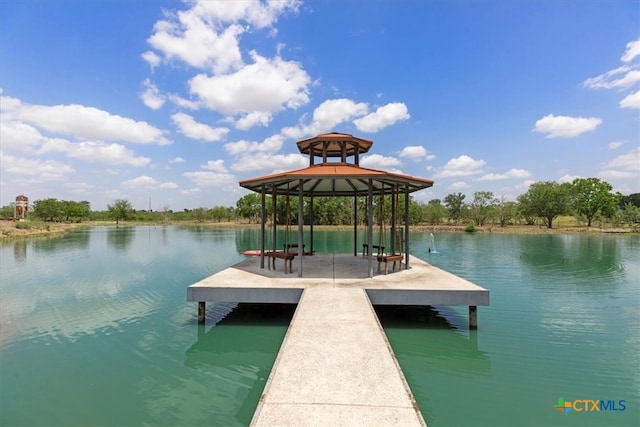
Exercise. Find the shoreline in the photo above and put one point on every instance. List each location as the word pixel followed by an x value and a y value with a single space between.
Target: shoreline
pixel 9 231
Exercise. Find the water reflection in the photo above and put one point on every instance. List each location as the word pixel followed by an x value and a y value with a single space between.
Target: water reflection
pixel 120 238
pixel 20 251
pixel 242 348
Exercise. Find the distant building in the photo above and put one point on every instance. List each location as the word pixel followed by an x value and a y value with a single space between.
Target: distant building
pixel 22 206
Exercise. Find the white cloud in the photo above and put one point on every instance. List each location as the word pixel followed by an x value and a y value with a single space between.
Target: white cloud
pixel 632 51
pixel 151 96
pixel 45 170
pixel 96 152
pixel 458 185
pixel 568 178
pixel 376 161
pixel 146 183
pixel 630 161
pixel 212 179
pixel 327 116
pixel 263 161
pixel 565 126
pixel 610 79
pixel 177 160
pixel 616 174
pixel 616 144
pixel 188 127
pixel 266 86
pixel 269 145
pixel 19 137
pixel 631 101
pixel 511 173
pixel 82 122
pixel 384 116
pixel 152 59
pixel 206 36
pixel 462 166
pixel 191 191
pixel 215 166
pixel 253 119
pixel 413 152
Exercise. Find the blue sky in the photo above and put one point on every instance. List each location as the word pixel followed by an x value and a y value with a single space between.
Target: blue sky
pixel 172 103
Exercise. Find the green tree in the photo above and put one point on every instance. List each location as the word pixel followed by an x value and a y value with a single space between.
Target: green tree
pixel 75 210
pixel 591 196
pixel 455 205
pixel 48 209
pixel 546 200
pixel 631 213
pixel 249 207
pixel 434 212
pixel 120 209
pixel 506 211
pixel 481 206
pixel 8 211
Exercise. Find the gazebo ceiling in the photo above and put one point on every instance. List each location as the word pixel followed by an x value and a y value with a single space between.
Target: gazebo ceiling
pixel 335 179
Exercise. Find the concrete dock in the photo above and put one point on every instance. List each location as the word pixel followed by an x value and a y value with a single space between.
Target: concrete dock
pixel 335 366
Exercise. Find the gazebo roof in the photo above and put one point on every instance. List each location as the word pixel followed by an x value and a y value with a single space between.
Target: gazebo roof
pixel 333 143
pixel 335 179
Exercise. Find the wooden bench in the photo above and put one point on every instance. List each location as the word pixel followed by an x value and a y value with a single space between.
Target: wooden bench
pixel 286 256
pixel 365 249
pixel 387 259
pixel 287 248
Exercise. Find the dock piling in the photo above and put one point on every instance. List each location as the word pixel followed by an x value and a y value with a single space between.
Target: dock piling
pixel 202 309
pixel 473 317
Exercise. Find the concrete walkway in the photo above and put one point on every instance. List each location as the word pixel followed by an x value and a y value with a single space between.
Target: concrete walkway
pixel 336 368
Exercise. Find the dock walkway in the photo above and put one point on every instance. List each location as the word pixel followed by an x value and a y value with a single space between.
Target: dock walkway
pixel 335 367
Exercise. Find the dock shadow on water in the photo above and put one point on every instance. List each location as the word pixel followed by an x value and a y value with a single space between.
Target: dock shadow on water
pixel 429 343
pixel 240 349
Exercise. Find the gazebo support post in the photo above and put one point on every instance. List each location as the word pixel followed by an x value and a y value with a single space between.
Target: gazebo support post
pixel 370 229
pixel 263 220
pixel 355 225
pixel 300 227
pixel 406 227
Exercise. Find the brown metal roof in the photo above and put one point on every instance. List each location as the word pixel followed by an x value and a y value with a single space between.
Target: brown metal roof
pixel 332 145
pixel 335 179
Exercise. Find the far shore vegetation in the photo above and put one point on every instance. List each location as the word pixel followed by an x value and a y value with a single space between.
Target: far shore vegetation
pixel 584 205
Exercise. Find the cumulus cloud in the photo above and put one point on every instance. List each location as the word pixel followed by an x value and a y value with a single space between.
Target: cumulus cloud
pixel 383 117
pixel 146 183
pixel 631 101
pixel 632 51
pixel 327 116
pixel 152 59
pixel 565 126
pixel 207 35
pixel 622 167
pixel 215 166
pixel 82 122
pixel 151 96
pixel 619 78
pixel 188 127
pixel 19 137
pixel 416 153
pixel 266 86
pixel 458 185
pixel 376 161
pixel 511 173
pixel 462 166
pixel 568 178
pixel 177 160
pixel 265 161
pixel 269 145
pixel 44 170
pixel 96 152
pixel 212 179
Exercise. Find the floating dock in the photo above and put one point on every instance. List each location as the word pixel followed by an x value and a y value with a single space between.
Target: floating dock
pixel 335 366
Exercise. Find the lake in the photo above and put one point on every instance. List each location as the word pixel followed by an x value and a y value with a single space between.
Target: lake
pixel 95 330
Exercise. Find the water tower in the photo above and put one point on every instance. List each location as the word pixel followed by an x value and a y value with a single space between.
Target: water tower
pixel 22 205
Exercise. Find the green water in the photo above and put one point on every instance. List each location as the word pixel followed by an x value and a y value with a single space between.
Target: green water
pixel 95 330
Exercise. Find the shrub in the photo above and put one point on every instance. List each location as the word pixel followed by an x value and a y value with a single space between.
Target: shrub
pixel 471 227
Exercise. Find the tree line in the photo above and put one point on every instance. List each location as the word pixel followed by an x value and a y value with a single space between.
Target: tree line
pixel 587 199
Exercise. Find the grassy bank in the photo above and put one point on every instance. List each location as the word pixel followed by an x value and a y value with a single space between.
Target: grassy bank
pixel 23 229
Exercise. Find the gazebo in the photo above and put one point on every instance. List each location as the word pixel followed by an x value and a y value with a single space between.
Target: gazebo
pixel 337 178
